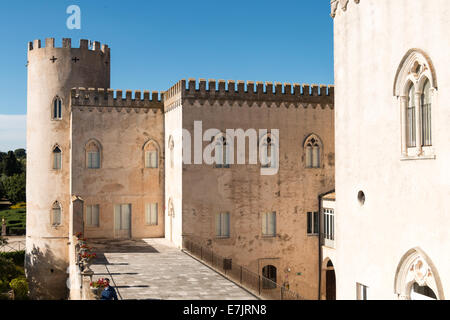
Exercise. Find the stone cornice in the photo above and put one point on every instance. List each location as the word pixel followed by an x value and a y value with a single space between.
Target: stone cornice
pixel 340 4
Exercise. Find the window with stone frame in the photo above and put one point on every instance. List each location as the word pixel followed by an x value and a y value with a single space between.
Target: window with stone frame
pixel 57 108
pixel 312 150
pixel 269 224
pixel 93 155
pixel 56 214
pixel 415 87
pixel 57 158
pixel 151 153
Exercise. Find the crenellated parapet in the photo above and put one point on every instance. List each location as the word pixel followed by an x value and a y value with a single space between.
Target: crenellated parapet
pixel 337 5
pixel 67 44
pixel 249 93
pixel 107 100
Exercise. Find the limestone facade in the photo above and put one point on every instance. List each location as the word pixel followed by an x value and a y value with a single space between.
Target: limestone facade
pixel 96 145
pixel 392 148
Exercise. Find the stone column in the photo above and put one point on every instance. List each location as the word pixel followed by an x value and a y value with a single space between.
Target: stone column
pixel 403 117
pixel 417 97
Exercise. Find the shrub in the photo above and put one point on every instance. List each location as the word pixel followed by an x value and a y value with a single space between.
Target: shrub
pixel 19 205
pixel 8 270
pixel 18 257
pixel 20 287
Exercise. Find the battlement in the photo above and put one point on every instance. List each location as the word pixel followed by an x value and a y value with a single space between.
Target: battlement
pixel 250 91
pixel 67 44
pixel 213 87
pixel 337 5
pixel 97 97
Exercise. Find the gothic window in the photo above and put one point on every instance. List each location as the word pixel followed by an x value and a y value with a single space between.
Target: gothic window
pixel 269 273
pixel 417 278
pixel 57 108
pixel 415 87
pixel 151 155
pixel 221 152
pixel 93 154
pixel 57 159
pixel 171 151
pixel 56 214
pixel 312 148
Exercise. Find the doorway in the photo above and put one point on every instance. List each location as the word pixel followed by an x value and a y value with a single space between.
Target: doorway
pixel 330 282
pixel 122 221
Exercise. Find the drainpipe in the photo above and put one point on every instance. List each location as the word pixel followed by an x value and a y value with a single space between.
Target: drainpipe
pixel 320 239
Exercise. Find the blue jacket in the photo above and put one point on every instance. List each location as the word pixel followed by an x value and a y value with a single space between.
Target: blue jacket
pixel 109 294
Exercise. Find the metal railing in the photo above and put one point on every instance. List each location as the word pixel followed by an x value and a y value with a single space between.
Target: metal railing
pixel 13 246
pixel 256 284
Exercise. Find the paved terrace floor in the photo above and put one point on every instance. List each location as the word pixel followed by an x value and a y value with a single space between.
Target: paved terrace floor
pixel 154 269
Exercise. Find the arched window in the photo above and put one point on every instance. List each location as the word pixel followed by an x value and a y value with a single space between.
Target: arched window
pixel 268 152
pixel 56 214
pixel 93 153
pixel 415 85
pixel 312 148
pixel 417 278
pixel 221 152
pixel 171 151
pixel 57 159
pixel 57 108
pixel 151 154
pixel 269 273
pixel 425 105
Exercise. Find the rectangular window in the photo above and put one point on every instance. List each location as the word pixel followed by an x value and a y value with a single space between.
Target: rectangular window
pixel 151 159
pixel 361 291
pixel 151 214
pixel 122 216
pixel 313 223
pixel 269 224
pixel 93 160
pixel 223 225
pixel 328 217
pixel 93 215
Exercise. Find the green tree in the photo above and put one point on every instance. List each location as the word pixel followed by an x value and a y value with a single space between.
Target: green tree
pixel 11 165
pixel 15 187
pixel 20 153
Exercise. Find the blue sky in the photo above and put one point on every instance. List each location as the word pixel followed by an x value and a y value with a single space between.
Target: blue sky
pixel 156 43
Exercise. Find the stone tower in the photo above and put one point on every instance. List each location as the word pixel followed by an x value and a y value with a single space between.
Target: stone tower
pixel 52 72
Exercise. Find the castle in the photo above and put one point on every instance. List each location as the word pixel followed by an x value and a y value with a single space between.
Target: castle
pixel 115 166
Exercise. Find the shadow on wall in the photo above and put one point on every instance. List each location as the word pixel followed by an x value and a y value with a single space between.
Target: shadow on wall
pixel 46 274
